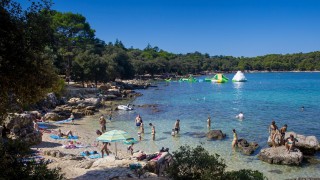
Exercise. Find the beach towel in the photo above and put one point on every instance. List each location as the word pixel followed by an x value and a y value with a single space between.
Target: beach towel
pixel 92 155
pixel 63 121
pixel 53 136
pixel 73 146
pixel 43 127
pixel 42 123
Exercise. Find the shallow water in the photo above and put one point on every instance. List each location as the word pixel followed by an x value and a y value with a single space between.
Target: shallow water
pixel 266 96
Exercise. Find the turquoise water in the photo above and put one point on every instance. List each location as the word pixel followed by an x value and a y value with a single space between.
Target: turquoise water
pixel 265 97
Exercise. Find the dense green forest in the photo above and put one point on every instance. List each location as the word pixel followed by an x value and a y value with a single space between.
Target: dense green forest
pixel 41 42
pixel 77 53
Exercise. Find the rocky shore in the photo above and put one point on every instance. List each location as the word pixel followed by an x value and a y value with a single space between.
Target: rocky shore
pixel 81 102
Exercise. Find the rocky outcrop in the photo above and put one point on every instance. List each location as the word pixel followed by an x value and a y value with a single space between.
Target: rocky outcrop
pixel 215 134
pixel 280 155
pixel 21 128
pixel 247 148
pixel 52 116
pixel 308 145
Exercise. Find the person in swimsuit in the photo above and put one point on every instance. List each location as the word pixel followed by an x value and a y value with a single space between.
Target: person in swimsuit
pixel 141 127
pixel 153 131
pixel 138 120
pixel 72 118
pixel 105 148
pixel 69 133
pixel 209 122
pixel 130 148
pixel 235 138
pixel 290 143
pixel 103 122
pixel 177 126
pixel 283 133
pixel 273 131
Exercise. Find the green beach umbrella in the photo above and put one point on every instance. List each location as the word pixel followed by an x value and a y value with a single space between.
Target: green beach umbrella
pixel 114 136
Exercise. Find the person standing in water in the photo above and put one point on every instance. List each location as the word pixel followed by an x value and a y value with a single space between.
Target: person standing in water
pixel 103 122
pixel 235 138
pixel 141 127
pixel 153 131
pixel 209 122
pixel 177 126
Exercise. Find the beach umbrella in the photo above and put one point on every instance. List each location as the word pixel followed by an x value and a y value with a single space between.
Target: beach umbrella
pixel 114 136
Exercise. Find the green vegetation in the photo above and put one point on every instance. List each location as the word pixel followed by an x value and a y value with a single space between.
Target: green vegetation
pixel 197 163
pixel 26 70
pixel 13 166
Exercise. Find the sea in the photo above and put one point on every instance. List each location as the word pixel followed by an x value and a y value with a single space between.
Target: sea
pixel 265 97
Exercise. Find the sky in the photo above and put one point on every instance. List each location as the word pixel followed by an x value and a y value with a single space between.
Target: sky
pixel 237 28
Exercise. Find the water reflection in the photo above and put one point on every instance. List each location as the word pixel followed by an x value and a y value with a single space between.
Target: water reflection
pixel 238 85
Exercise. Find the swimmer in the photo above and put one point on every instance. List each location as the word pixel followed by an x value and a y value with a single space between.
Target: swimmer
pixel 240 116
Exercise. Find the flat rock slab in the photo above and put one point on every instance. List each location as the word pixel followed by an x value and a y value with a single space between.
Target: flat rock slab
pixel 280 155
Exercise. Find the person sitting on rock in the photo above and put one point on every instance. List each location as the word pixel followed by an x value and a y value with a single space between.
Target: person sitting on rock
pixel 69 133
pixel 290 143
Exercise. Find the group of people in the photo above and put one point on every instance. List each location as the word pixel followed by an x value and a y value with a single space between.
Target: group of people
pixel 275 132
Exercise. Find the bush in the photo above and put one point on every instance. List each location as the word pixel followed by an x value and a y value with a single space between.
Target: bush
pixel 13 167
pixel 197 163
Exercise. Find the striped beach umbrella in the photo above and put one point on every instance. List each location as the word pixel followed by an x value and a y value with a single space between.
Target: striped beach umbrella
pixel 114 136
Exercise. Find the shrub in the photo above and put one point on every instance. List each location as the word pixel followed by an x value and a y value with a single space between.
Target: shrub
pixel 197 163
pixel 13 166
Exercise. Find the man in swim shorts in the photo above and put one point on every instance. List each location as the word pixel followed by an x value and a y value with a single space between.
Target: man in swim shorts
pixel 177 126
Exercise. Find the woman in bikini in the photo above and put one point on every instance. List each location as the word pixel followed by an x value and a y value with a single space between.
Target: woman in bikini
pixel 273 130
pixel 235 138
pixel 290 143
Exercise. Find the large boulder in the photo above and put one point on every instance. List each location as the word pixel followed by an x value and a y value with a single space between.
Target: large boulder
pixel 247 148
pixel 52 116
pixel 21 128
pixel 215 134
pixel 308 145
pixel 280 155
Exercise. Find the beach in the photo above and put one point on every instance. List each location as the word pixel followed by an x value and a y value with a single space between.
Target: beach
pixel 102 168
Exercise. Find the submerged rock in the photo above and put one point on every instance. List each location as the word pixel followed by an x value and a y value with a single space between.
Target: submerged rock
pixel 280 155
pixel 247 148
pixel 215 134
pixel 196 134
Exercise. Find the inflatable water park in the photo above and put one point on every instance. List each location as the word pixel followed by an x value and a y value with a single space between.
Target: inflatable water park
pixel 218 78
pixel 239 77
